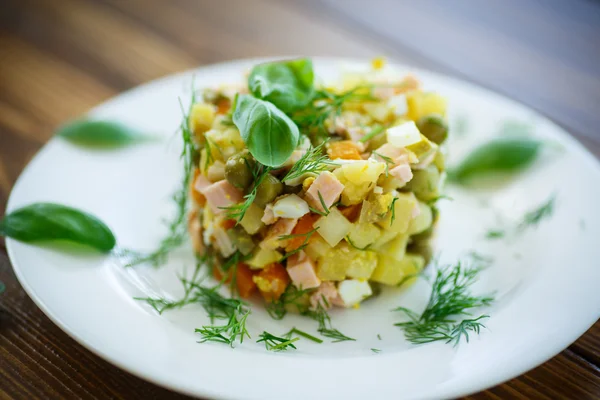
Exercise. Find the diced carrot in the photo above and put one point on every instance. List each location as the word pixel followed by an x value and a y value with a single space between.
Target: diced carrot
pixel 351 212
pixel 344 149
pixel 272 281
pixel 218 274
pixel 243 280
pixel 196 195
pixel 223 105
pixel 304 225
pixel 228 223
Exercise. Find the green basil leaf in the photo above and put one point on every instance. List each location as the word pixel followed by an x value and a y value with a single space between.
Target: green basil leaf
pixel 287 84
pixel 270 135
pixel 498 155
pixel 48 222
pixel 100 134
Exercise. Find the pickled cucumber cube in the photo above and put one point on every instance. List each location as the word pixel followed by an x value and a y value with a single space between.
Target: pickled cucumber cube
pixel 333 227
pixel 390 271
pixel 252 219
pixel 263 257
pixel 422 221
pixel 363 234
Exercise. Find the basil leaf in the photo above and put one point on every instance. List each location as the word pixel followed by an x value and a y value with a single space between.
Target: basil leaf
pixel 48 221
pixel 498 155
pixel 270 135
pixel 100 134
pixel 287 84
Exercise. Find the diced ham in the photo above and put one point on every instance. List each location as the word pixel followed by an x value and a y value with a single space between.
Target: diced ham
pixel 328 186
pixel 201 183
pixel 326 295
pixel 269 217
pixel 195 229
pixel 383 92
pixel 396 154
pixel 402 172
pixel 282 227
pixel 220 195
pixel 302 271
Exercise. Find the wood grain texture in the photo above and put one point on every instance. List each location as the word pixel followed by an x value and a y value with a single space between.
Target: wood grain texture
pixel 58 58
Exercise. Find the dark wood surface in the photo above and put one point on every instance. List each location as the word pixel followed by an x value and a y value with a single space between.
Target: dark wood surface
pixel 58 58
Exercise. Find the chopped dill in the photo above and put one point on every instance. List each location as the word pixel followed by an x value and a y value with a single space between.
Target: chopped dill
pixel 302 246
pixel 378 336
pixel 535 216
pixel 291 297
pixel 303 334
pixel 238 211
pixel 387 160
pixel 177 228
pixel 449 300
pixel 375 131
pixel 276 343
pixel 495 234
pixel 313 161
pixel 376 351
pixel 325 208
pixel 325 328
pixel 351 243
pixel 392 209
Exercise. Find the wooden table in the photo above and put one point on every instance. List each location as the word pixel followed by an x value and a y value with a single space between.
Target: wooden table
pixel 58 58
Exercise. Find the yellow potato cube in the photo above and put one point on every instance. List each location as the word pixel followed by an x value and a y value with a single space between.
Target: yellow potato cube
pixel 423 103
pixel 396 248
pixel 362 235
pixel 333 227
pixel 380 112
pixel 390 271
pixel 403 214
pixel 363 171
pixel 317 247
pixel 346 261
pixel 202 116
pixel 421 222
pixel 263 257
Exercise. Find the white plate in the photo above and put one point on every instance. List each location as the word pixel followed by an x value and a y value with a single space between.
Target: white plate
pixel 545 280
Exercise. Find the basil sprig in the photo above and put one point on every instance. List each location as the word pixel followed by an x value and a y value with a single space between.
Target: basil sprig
pixel 100 134
pixel 52 222
pixel 498 155
pixel 289 85
pixel 270 135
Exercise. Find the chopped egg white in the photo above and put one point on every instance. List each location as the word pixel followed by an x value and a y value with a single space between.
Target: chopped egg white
pixel 291 206
pixel 353 291
pixel 403 135
pixel 399 104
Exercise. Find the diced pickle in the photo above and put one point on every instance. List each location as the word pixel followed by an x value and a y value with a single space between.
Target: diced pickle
pixel 241 240
pixel 363 235
pixel 238 169
pixel 345 261
pixel 425 183
pixel 390 271
pixel 252 219
pixel 434 127
pixel 268 189
pixel 421 222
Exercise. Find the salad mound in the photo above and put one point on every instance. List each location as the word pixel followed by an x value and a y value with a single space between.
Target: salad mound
pixel 326 190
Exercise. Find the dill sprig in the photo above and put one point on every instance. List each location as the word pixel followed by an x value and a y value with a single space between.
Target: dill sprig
pixel 351 243
pixel 291 297
pixel 327 106
pixel 535 216
pixel 325 328
pixel 313 161
pixel 177 228
pixel 276 343
pixel 305 335
pixel 392 209
pixel 237 211
pixel 302 246
pixel 388 162
pixel 449 300
pixel 376 351
pixel 375 131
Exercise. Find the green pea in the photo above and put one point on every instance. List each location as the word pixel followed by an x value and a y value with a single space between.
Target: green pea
pixel 434 127
pixel 238 170
pixel 268 189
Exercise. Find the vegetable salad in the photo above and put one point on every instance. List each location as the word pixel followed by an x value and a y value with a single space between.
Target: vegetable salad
pixel 325 190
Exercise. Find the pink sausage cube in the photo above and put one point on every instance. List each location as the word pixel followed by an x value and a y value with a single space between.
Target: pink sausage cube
pixel 397 155
pixel 302 271
pixel 402 172
pixel 221 194
pixel 328 186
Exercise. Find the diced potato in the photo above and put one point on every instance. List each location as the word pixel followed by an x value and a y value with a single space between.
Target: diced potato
pixel 386 237
pixel 421 104
pixel 252 219
pixel 317 247
pixel 380 112
pixel 363 235
pixel 403 135
pixel 425 183
pixel 346 261
pixel 262 257
pixel 202 116
pixel 225 143
pixel 390 271
pixel 421 222
pixel 375 207
pixel 403 214
pixel 396 248
pixel 363 171
pixel 334 227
